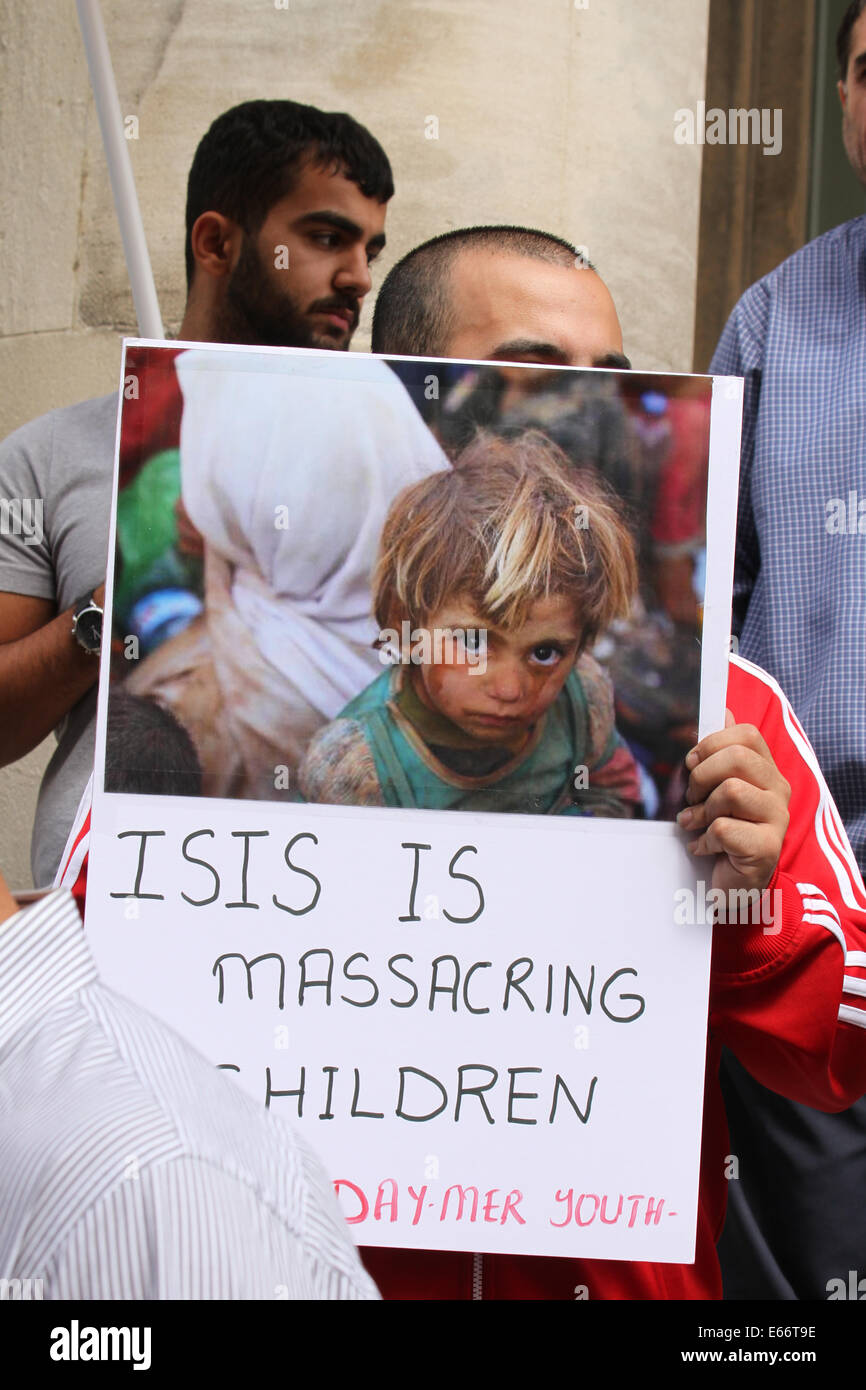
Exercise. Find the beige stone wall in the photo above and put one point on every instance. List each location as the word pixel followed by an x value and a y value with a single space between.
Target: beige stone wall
pixel 551 113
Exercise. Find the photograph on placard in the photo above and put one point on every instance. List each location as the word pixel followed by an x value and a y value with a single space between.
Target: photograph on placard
pixel 408 583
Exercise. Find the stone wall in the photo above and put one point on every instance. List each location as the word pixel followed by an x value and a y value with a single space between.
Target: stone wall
pixel 549 113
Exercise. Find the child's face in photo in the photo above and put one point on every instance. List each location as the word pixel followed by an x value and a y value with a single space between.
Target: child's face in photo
pixel 498 700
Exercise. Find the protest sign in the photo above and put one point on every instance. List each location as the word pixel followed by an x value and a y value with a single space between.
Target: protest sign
pixel 491 1024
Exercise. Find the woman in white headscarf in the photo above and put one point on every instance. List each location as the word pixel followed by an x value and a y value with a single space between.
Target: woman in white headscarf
pixel 289 464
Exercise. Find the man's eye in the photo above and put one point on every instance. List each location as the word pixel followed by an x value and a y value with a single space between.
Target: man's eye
pixel 328 239
pixel 547 654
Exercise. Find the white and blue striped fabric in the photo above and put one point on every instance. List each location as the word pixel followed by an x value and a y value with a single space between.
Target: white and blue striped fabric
pixel 798 337
pixel 130 1168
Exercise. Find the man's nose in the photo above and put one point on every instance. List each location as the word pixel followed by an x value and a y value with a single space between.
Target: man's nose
pixel 353 272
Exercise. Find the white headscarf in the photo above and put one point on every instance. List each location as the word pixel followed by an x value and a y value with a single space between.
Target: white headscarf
pixel 322 442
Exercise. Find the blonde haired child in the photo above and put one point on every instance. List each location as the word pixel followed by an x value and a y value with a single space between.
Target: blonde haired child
pixel 492 581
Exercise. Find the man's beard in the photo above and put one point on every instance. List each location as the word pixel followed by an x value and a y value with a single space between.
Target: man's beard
pixel 254 310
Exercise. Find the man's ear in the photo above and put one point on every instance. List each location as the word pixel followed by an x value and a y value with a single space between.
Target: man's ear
pixel 842 89
pixel 216 244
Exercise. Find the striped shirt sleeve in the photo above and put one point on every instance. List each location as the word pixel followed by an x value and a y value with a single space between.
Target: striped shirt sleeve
pixel 189 1230
pixel 131 1168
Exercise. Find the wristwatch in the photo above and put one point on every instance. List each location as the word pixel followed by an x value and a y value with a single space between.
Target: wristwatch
pixel 87 624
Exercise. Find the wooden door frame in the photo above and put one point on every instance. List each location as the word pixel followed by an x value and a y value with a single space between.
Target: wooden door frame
pixel 754 207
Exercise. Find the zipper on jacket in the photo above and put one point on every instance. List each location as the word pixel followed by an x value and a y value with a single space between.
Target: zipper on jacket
pixel 478 1276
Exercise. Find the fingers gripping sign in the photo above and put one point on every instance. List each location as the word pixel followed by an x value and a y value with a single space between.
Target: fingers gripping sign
pixel 738 804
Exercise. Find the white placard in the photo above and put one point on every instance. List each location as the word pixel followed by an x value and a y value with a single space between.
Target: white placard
pixel 492 1028
pixel 555 1042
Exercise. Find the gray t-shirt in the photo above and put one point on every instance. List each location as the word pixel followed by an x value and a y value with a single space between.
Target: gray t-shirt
pixel 65 459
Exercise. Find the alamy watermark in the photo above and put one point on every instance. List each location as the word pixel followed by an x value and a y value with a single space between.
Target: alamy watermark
pixel 77 1343
pixel 736 126
pixel 845 516
pixel 854 1288
pixel 20 1290
pixel 422 646
pixel 738 906
pixel 22 516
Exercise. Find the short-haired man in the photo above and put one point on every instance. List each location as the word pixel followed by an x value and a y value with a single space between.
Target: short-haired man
pixel 798 337
pixel 511 294
pixel 516 294
pixel 285 211
pixel 760 1002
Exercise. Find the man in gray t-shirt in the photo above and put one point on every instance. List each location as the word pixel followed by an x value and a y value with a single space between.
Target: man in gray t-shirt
pixel 65 459
pixel 272 184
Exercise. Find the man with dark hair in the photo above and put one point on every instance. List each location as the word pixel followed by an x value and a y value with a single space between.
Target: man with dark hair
pixel 286 210
pixel 796 1218
pixel 844 38
pixel 299 194
pixel 523 295
pixel 852 87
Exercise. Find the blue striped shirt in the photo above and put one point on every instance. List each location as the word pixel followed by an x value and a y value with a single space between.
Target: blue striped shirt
pixel 798 337
pixel 130 1168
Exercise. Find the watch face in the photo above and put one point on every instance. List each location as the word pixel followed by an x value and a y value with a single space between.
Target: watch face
pixel 88 629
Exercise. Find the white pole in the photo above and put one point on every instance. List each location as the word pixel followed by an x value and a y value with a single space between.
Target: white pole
pixel 120 169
